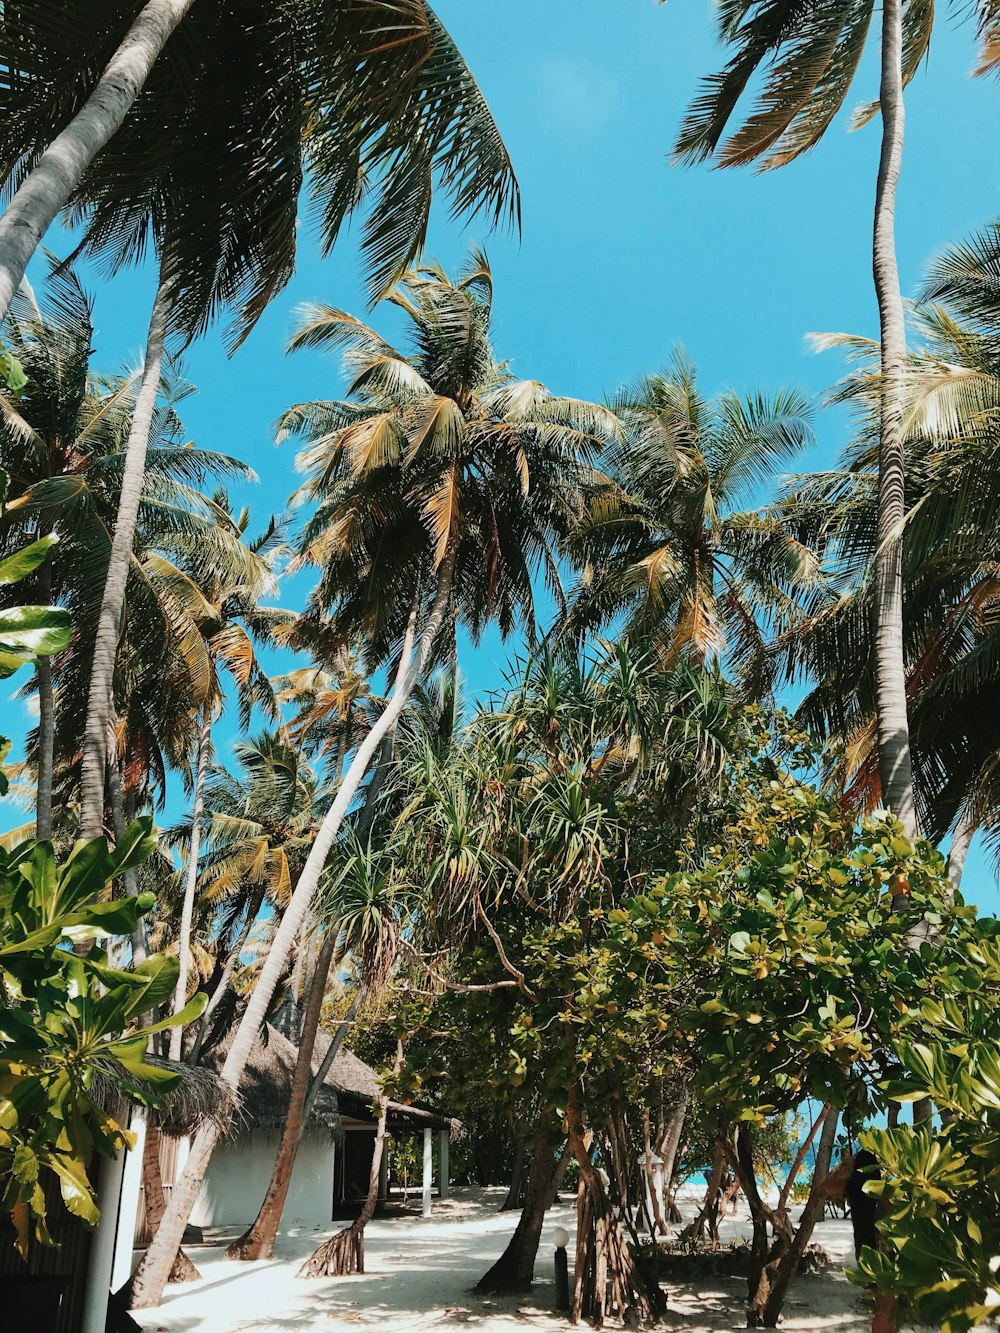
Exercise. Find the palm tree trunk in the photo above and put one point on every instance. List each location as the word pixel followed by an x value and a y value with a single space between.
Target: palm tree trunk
pixel 258 1241
pixel 119 820
pixel 191 879
pixel 46 741
pixel 225 981
pixel 965 831
pixel 326 1064
pixel 100 696
pixel 151 1276
pixel 49 185
pixel 895 769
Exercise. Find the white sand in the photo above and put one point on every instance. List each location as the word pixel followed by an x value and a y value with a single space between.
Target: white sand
pixel 420 1272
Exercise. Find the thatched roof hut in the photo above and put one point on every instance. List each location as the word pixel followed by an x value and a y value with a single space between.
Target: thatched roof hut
pixel 356 1087
pixel 266 1085
pixel 200 1096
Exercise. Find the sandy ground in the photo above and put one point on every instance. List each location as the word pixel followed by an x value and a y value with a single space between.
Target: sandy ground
pixel 420 1272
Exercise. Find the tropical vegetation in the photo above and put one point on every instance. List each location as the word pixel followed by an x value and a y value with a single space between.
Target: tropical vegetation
pixel 690 927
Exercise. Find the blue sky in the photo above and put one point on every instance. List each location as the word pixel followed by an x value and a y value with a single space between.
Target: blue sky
pixel 622 255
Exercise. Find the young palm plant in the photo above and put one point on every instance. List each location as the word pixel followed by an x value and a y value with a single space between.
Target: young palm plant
pixel 441 488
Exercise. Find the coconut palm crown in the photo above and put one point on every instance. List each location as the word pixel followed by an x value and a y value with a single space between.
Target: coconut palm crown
pixel 437 454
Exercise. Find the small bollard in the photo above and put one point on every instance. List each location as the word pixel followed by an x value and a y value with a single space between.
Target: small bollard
pixel 560 1239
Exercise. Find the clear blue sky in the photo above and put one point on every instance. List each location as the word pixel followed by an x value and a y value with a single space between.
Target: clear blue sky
pixel 623 255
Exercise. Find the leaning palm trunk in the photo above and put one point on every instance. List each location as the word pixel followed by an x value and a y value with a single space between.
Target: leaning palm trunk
pixel 49 185
pixel 344 1253
pixel 46 741
pixel 895 768
pixel 258 1241
pixel 226 980
pixel 100 698
pixel 191 879
pixel 151 1276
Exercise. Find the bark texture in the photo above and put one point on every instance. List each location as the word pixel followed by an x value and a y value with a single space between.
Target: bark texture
pixel 191 880
pixel 257 1242
pixel 515 1268
pixel 151 1275
pixel 895 768
pixel 344 1253
pixel 49 185
pixel 46 740
pixel 965 831
pixel 100 698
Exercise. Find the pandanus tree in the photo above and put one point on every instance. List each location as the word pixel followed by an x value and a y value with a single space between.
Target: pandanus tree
pixel 952 410
pixel 810 54
pixel 668 542
pixel 441 488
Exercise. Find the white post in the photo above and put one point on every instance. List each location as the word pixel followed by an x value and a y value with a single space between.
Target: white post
pixel 102 1247
pixel 443 1163
pixel 428 1170
pixel 131 1190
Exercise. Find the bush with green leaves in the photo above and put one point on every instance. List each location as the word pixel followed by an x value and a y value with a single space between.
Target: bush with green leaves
pixel 939 1180
pixel 69 1018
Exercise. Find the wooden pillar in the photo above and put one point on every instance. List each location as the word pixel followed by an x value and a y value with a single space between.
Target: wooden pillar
pixel 428 1170
pixel 443 1163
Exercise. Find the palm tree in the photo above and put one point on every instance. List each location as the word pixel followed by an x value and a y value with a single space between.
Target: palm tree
pixel 361 916
pixel 232 593
pixel 811 52
pixel 952 409
pixel 62 442
pixel 440 491
pixel 158 107
pixel 258 825
pixel 667 544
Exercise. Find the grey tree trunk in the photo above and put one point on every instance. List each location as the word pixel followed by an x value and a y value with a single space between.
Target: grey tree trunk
pixel 46 741
pixel 965 831
pixel 119 820
pixel 48 186
pixel 152 1273
pixel 895 769
pixel 319 1078
pixel 191 879
pixel 225 981
pixel 100 699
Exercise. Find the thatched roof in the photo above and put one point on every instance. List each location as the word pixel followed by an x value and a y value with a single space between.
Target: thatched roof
pixel 199 1096
pixel 356 1087
pixel 266 1085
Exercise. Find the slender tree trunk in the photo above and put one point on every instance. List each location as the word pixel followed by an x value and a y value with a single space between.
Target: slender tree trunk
pixel 694 1231
pixel 119 820
pixel 191 879
pixel 515 1190
pixel 655 1200
pixel 225 981
pixel 258 1241
pixel 100 699
pixel 895 768
pixel 344 1253
pixel 46 741
pixel 965 831
pixel 669 1146
pixel 326 1064
pixel 783 1269
pixel 49 186
pixel 152 1273
pixel 515 1268
pixel 183 1269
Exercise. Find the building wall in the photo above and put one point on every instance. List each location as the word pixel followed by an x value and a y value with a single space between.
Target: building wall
pixel 238 1176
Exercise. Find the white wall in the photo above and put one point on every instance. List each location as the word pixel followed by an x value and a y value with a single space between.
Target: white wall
pixel 238 1176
